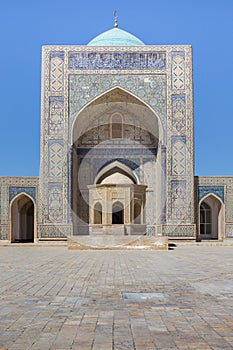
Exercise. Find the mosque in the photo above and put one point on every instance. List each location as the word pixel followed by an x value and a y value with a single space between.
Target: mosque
pixel 117 151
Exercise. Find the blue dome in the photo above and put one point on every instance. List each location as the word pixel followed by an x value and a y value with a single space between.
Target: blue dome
pixel 115 37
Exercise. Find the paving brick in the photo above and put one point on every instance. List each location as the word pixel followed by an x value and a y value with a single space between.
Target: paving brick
pixel 52 298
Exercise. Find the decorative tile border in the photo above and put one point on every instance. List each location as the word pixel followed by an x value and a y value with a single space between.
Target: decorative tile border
pixel 205 190
pixel 117 60
pixel 14 191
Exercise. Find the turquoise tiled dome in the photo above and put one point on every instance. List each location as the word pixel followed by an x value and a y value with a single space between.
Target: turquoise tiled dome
pixel 115 37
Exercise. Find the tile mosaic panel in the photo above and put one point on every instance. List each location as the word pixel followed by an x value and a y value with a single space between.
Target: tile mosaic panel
pixel 56 115
pixel 184 231
pixel 55 202
pixel 57 231
pixel 178 155
pixel 56 157
pixel 56 71
pixel 179 114
pixel 117 60
pixel 179 200
pixel 178 70
pixel 205 190
pixel 3 232
pixel 150 88
pixel 14 191
pixel 229 231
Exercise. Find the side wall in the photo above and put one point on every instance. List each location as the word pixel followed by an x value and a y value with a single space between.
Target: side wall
pixel 222 188
pixel 10 187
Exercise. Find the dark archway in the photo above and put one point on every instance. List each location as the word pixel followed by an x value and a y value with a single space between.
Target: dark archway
pixel 117 214
pixel 98 214
pixel 137 213
pixel 22 219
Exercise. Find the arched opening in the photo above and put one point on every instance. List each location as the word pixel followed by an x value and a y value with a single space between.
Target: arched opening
pixel 115 142
pixel 116 173
pixel 205 219
pixel 137 213
pixel 98 214
pixel 22 219
pixel 211 218
pixel 117 214
pixel 116 126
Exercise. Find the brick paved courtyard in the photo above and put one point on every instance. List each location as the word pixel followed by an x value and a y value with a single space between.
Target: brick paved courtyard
pixel 53 298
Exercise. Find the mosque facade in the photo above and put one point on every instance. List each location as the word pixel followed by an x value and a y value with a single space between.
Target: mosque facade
pixel 117 150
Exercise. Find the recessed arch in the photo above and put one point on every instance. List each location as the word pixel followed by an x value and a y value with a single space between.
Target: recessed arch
pixel 98 213
pixel 137 212
pixel 114 167
pixel 116 126
pixel 106 92
pixel 22 218
pixel 211 217
pixel 93 148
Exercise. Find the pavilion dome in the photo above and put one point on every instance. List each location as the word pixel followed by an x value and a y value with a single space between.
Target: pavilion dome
pixel 115 37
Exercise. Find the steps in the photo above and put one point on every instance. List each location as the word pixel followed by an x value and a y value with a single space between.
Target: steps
pixel 117 243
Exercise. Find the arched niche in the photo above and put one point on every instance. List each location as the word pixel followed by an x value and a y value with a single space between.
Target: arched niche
pixel 211 218
pixel 117 213
pixel 97 214
pixel 93 146
pixel 137 212
pixel 22 218
pixel 116 126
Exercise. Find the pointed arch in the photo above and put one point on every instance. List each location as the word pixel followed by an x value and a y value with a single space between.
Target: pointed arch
pixel 114 167
pixel 211 217
pixel 106 92
pixel 22 218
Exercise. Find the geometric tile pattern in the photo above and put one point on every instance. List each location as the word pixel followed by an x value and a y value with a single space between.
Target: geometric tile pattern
pixel 55 158
pixel 187 231
pixel 229 231
pixel 178 155
pixel 54 231
pixel 56 115
pixel 55 202
pixel 178 71
pixel 178 114
pixel 179 199
pixel 56 72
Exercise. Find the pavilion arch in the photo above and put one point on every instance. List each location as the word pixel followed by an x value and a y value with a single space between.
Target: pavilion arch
pixel 22 218
pixel 211 218
pixel 114 167
pixel 106 92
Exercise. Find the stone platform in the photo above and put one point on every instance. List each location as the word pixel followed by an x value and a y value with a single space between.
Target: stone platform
pixel 117 243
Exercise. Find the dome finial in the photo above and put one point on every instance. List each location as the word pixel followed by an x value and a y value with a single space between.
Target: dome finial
pixel 115 19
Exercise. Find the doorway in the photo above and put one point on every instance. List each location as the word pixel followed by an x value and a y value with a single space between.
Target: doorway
pixel 22 219
pixel 118 214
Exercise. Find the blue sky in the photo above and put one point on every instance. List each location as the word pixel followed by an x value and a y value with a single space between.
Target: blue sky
pixel 27 25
